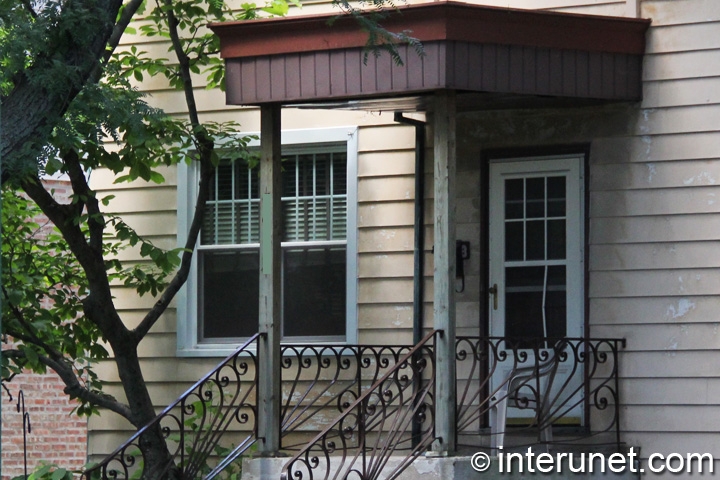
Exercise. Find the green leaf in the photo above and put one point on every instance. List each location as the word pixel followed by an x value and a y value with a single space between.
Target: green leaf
pixel 157 177
pixel 59 474
pixel 277 7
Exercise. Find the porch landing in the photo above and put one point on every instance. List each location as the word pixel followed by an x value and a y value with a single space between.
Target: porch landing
pixel 438 468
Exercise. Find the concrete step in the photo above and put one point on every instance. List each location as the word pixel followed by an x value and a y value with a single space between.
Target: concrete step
pixel 536 462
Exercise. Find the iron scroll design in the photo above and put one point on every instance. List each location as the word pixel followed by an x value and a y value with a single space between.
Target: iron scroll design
pixel 566 376
pixel 322 381
pixel 376 425
pixel 197 426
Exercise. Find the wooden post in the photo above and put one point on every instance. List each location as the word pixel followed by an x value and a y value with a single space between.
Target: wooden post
pixel 268 357
pixel 444 273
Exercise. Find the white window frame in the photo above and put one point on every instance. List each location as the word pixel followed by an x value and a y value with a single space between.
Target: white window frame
pixel 188 338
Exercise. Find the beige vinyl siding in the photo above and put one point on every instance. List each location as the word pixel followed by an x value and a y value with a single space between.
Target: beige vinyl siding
pixel 654 253
pixel 386 193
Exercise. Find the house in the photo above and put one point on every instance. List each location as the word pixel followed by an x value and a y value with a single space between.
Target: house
pixel 570 145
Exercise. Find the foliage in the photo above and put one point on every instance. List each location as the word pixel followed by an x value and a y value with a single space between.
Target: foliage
pixel 74 107
pixel 369 15
pixel 49 471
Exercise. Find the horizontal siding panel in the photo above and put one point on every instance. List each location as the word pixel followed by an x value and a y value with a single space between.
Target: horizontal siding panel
pixel 616 9
pixel 379 138
pixel 161 369
pixel 670 391
pixel 676 12
pixel 385 239
pixel 650 229
pixel 678 120
pixel 679 38
pixel 153 223
pixel 671 418
pixel 158 344
pixel 670 201
pixel 655 256
pixel 383 265
pixel 661 365
pixel 165 324
pixel 143 200
pixel 380 337
pixel 173 101
pixel 386 163
pixel 668 66
pixel 665 337
pixel 386 188
pixel 658 148
pixel 677 93
pixel 650 283
pixel 385 316
pixel 126 298
pixel 652 310
pixel 632 176
pixel 389 214
pixel 386 290
pixel 103 179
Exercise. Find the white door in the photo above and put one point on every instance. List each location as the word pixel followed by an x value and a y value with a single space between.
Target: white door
pixel 536 256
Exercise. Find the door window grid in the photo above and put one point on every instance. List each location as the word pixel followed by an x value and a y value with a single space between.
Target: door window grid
pixel 535 214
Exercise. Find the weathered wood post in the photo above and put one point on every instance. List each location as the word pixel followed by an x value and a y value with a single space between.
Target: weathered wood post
pixel 444 273
pixel 268 357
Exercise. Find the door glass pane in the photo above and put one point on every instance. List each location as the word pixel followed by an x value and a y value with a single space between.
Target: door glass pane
pixel 535 302
pixel 535 195
pixel 514 241
pixel 556 196
pixel 535 241
pixel 556 239
pixel 514 198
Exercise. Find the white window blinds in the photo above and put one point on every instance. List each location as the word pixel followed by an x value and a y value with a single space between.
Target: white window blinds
pixel 314 200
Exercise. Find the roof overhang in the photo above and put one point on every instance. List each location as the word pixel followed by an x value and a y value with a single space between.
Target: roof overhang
pixel 495 53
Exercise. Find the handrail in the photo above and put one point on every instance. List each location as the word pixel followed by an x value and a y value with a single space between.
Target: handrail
pixel 376 425
pixel 197 421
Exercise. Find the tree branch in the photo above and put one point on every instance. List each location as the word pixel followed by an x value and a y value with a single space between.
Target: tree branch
pixel 96 223
pixel 31 336
pixel 73 387
pixel 207 172
pixel 183 63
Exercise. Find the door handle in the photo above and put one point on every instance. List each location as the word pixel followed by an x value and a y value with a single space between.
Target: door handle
pixel 494 292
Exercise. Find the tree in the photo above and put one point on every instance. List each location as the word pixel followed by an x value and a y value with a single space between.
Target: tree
pixel 69 106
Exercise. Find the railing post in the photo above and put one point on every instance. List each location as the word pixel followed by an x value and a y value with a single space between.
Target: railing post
pixel 444 273
pixel 270 307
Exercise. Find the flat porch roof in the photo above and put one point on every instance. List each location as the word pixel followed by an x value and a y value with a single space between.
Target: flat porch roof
pixel 501 57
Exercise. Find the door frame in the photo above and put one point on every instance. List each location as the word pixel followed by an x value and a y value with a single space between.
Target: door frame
pixel 499 154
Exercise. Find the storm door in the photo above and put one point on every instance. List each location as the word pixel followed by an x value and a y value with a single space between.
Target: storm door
pixel 536 260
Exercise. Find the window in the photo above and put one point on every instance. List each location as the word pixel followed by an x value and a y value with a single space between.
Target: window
pixel 220 306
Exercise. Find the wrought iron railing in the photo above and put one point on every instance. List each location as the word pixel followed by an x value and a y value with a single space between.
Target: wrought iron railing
pixel 194 427
pixel 545 382
pixel 322 381
pixel 376 425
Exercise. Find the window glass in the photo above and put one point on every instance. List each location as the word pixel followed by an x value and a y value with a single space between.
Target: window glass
pixel 314 209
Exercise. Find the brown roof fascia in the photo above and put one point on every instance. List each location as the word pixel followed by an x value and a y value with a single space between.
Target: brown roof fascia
pixel 434 22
